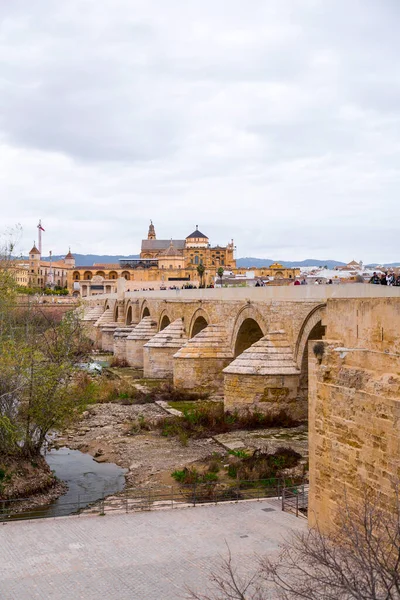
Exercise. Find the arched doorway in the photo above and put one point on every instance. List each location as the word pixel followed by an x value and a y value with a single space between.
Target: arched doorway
pixel 249 333
pixel 165 321
pixel 199 324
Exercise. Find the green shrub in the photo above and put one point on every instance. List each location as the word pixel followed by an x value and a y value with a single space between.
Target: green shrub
pixel 207 477
pixel 213 467
pixel 190 476
pixel 239 453
pixel 263 465
pixel 232 471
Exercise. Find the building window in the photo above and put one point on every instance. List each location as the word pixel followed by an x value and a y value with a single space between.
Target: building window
pixel 196 260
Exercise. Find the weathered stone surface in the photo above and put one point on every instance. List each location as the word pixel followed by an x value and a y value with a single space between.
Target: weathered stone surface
pixel 160 349
pixel 135 341
pixel 354 406
pixel 107 336
pixel 265 377
pixel 93 313
pixel 106 317
pixel 120 335
pixel 199 364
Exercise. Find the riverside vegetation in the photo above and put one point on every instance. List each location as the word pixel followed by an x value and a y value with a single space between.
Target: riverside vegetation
pixel 41 387
pixel 127 426
pixel 44 391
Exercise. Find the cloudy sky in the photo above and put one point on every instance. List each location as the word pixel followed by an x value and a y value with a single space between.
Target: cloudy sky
pixel 275 122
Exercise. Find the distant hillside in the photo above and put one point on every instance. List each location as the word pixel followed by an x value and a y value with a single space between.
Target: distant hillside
pixel 309 262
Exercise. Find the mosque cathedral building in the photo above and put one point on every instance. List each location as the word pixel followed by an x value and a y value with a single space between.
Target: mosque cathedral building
pixel 162 264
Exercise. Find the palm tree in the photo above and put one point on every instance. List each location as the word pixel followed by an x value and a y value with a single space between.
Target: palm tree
pixel 200 269
pixel 220 272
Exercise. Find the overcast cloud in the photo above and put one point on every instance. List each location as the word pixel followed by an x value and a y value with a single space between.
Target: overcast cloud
pixel 275 122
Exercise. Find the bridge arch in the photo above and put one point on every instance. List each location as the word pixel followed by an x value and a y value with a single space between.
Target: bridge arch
pixel 249 327
pixel 116 312
pixel 129 314
pixel 311 329
pixel 164 320
pixel 144 310
pixel 199 321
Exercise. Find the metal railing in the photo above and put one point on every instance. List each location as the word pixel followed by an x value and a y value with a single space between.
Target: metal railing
pixel 179 496
pixel 295 500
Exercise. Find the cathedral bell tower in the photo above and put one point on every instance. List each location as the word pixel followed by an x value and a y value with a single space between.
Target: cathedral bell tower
pixel 152 232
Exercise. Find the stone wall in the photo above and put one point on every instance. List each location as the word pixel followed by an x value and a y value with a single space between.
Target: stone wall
pixel 199 374
pixel 265 394
pixel 158 362
pixel 354 405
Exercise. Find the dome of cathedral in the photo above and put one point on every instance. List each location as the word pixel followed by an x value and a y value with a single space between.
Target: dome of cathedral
pixel 171 251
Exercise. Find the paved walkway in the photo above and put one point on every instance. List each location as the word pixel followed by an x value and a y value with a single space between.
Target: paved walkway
pixel 141 556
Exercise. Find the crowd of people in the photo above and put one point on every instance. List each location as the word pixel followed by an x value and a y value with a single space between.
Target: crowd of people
pixel 387 278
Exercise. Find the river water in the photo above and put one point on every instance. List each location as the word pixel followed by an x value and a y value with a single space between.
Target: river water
pixel 87 479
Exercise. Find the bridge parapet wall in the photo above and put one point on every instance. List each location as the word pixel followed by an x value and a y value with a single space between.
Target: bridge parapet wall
pixel 354 405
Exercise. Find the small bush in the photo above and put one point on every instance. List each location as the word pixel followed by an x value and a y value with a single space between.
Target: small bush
pixel 183 438
pixel 239 453
pixel 138 426
pixel 187 475
pixel 119 362
pixel 207 477
pixel 263 465
pixel 213 467
pixel 190 476
pixel 232 471
pixel 319 350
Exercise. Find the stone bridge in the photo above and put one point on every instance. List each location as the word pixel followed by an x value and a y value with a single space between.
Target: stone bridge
pixel 247 345
pixel 256 348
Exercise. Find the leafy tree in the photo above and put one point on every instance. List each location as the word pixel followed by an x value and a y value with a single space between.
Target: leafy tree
pixel 41 388
pixel 220 273
pixel 200 270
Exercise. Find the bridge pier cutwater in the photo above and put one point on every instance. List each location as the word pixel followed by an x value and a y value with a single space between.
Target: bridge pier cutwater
pixel 333 351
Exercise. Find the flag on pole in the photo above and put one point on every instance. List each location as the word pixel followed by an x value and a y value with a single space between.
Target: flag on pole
pixel 40 227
